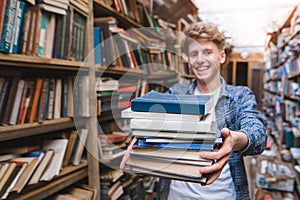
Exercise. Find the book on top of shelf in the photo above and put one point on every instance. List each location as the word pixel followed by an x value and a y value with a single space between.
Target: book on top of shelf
pixel 59 146
pixel 180 104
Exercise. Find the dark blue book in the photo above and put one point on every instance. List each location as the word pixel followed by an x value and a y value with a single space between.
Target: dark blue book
pixel 181 146
pixel 168 103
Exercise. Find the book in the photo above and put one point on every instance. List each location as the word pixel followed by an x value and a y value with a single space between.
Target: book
pixel 128 113
pixel 79 192
pixel 184 171
pixel 59 146
pixel 181 104
pixel 174 134
pixel 32 163
pixel 205 125
pixel 79 147
pixel 48 154
pixel 71 143
pixel 167 153
pixel 182 146
pixel 199 162
pixel 17 101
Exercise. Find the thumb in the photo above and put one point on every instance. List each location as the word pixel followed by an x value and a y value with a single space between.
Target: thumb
pixel 225 132
pixel 127 154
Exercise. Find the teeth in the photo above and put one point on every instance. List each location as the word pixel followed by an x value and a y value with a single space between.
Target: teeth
pixel 201 68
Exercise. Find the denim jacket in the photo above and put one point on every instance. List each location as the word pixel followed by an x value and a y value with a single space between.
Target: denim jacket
pixel 236 110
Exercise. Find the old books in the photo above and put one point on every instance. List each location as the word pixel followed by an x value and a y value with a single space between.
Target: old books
pixel 170 131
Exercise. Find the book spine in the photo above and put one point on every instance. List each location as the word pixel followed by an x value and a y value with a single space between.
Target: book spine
pixel 19 24
pixel 42 39
pixel 3 5
pixel 8 26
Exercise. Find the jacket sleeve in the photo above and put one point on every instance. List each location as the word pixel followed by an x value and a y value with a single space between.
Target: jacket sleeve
pixel 251 123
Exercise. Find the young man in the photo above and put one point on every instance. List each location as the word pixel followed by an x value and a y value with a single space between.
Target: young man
pixel 239 122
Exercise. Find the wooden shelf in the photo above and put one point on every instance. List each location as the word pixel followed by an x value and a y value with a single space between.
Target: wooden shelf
pixel 36 128
pixel 24 61
pixel 101 9
pixel 275 93
pixel 117 72
pixel 161 76
pixel 68 176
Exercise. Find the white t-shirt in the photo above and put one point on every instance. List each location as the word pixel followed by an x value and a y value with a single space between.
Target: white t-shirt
pixel 222 188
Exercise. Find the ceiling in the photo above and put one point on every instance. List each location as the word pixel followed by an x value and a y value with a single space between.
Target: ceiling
pixel 246 21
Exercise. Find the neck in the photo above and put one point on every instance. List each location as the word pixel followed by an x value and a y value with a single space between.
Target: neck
pixel 206 87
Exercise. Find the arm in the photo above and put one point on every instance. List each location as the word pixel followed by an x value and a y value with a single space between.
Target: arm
pixel 249 139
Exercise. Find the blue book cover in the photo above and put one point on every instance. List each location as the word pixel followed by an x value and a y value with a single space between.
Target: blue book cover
pixel 8 26
pixel 18 27
pixel 97 46
pixel 186 146
pixel 168 103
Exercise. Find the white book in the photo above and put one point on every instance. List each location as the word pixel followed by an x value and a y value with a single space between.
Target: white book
pixel 53 9
pixel 17 101
pixel 50 33
pixel 204 125
pixel 85 97
pixel 79 147
pixel 128 113
pixel 59 146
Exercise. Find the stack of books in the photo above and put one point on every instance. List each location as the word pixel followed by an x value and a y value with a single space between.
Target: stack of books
pixel 171 130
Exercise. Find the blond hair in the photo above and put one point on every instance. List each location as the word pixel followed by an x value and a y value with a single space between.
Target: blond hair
pixel 203 31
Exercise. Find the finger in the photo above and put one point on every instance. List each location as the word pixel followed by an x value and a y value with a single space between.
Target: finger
pixel 213 177
pixel 216 155
pixel 127 154
pixel 124 160
pixel 214 167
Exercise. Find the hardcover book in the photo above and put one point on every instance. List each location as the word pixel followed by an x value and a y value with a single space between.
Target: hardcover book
pixel 167 103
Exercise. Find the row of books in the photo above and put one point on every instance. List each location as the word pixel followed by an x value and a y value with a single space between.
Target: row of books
pixel 131 49
pixel 35 99
pixel 275 176
pixel 116 184
pixel 39 31
pixel 170 130
pixel 80 192
pixel 27 165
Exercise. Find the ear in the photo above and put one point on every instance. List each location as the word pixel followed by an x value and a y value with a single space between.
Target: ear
pixel 222 57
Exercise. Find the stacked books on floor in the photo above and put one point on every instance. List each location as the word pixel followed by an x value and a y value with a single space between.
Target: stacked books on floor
pixel 170 132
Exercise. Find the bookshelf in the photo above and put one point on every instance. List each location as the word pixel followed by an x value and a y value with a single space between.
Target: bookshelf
pixel 27 65
pixel 280 102
pixel 141 16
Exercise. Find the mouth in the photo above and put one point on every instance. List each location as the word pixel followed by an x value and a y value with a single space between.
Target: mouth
pixel 202 68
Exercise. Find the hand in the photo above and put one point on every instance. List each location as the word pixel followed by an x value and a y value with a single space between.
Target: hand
pixel 221 157
pixel 127 154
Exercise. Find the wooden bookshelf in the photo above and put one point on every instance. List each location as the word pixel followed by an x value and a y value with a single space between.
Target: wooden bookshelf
pixel 68 176
pixel 280 53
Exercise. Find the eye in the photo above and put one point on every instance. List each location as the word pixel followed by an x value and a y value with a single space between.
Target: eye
pixel 193 54
pixel 208 52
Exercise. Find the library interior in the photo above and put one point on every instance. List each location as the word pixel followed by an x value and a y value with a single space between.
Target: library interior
pixel 149 99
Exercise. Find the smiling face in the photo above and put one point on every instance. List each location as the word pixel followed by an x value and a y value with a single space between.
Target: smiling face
pixel 205 59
